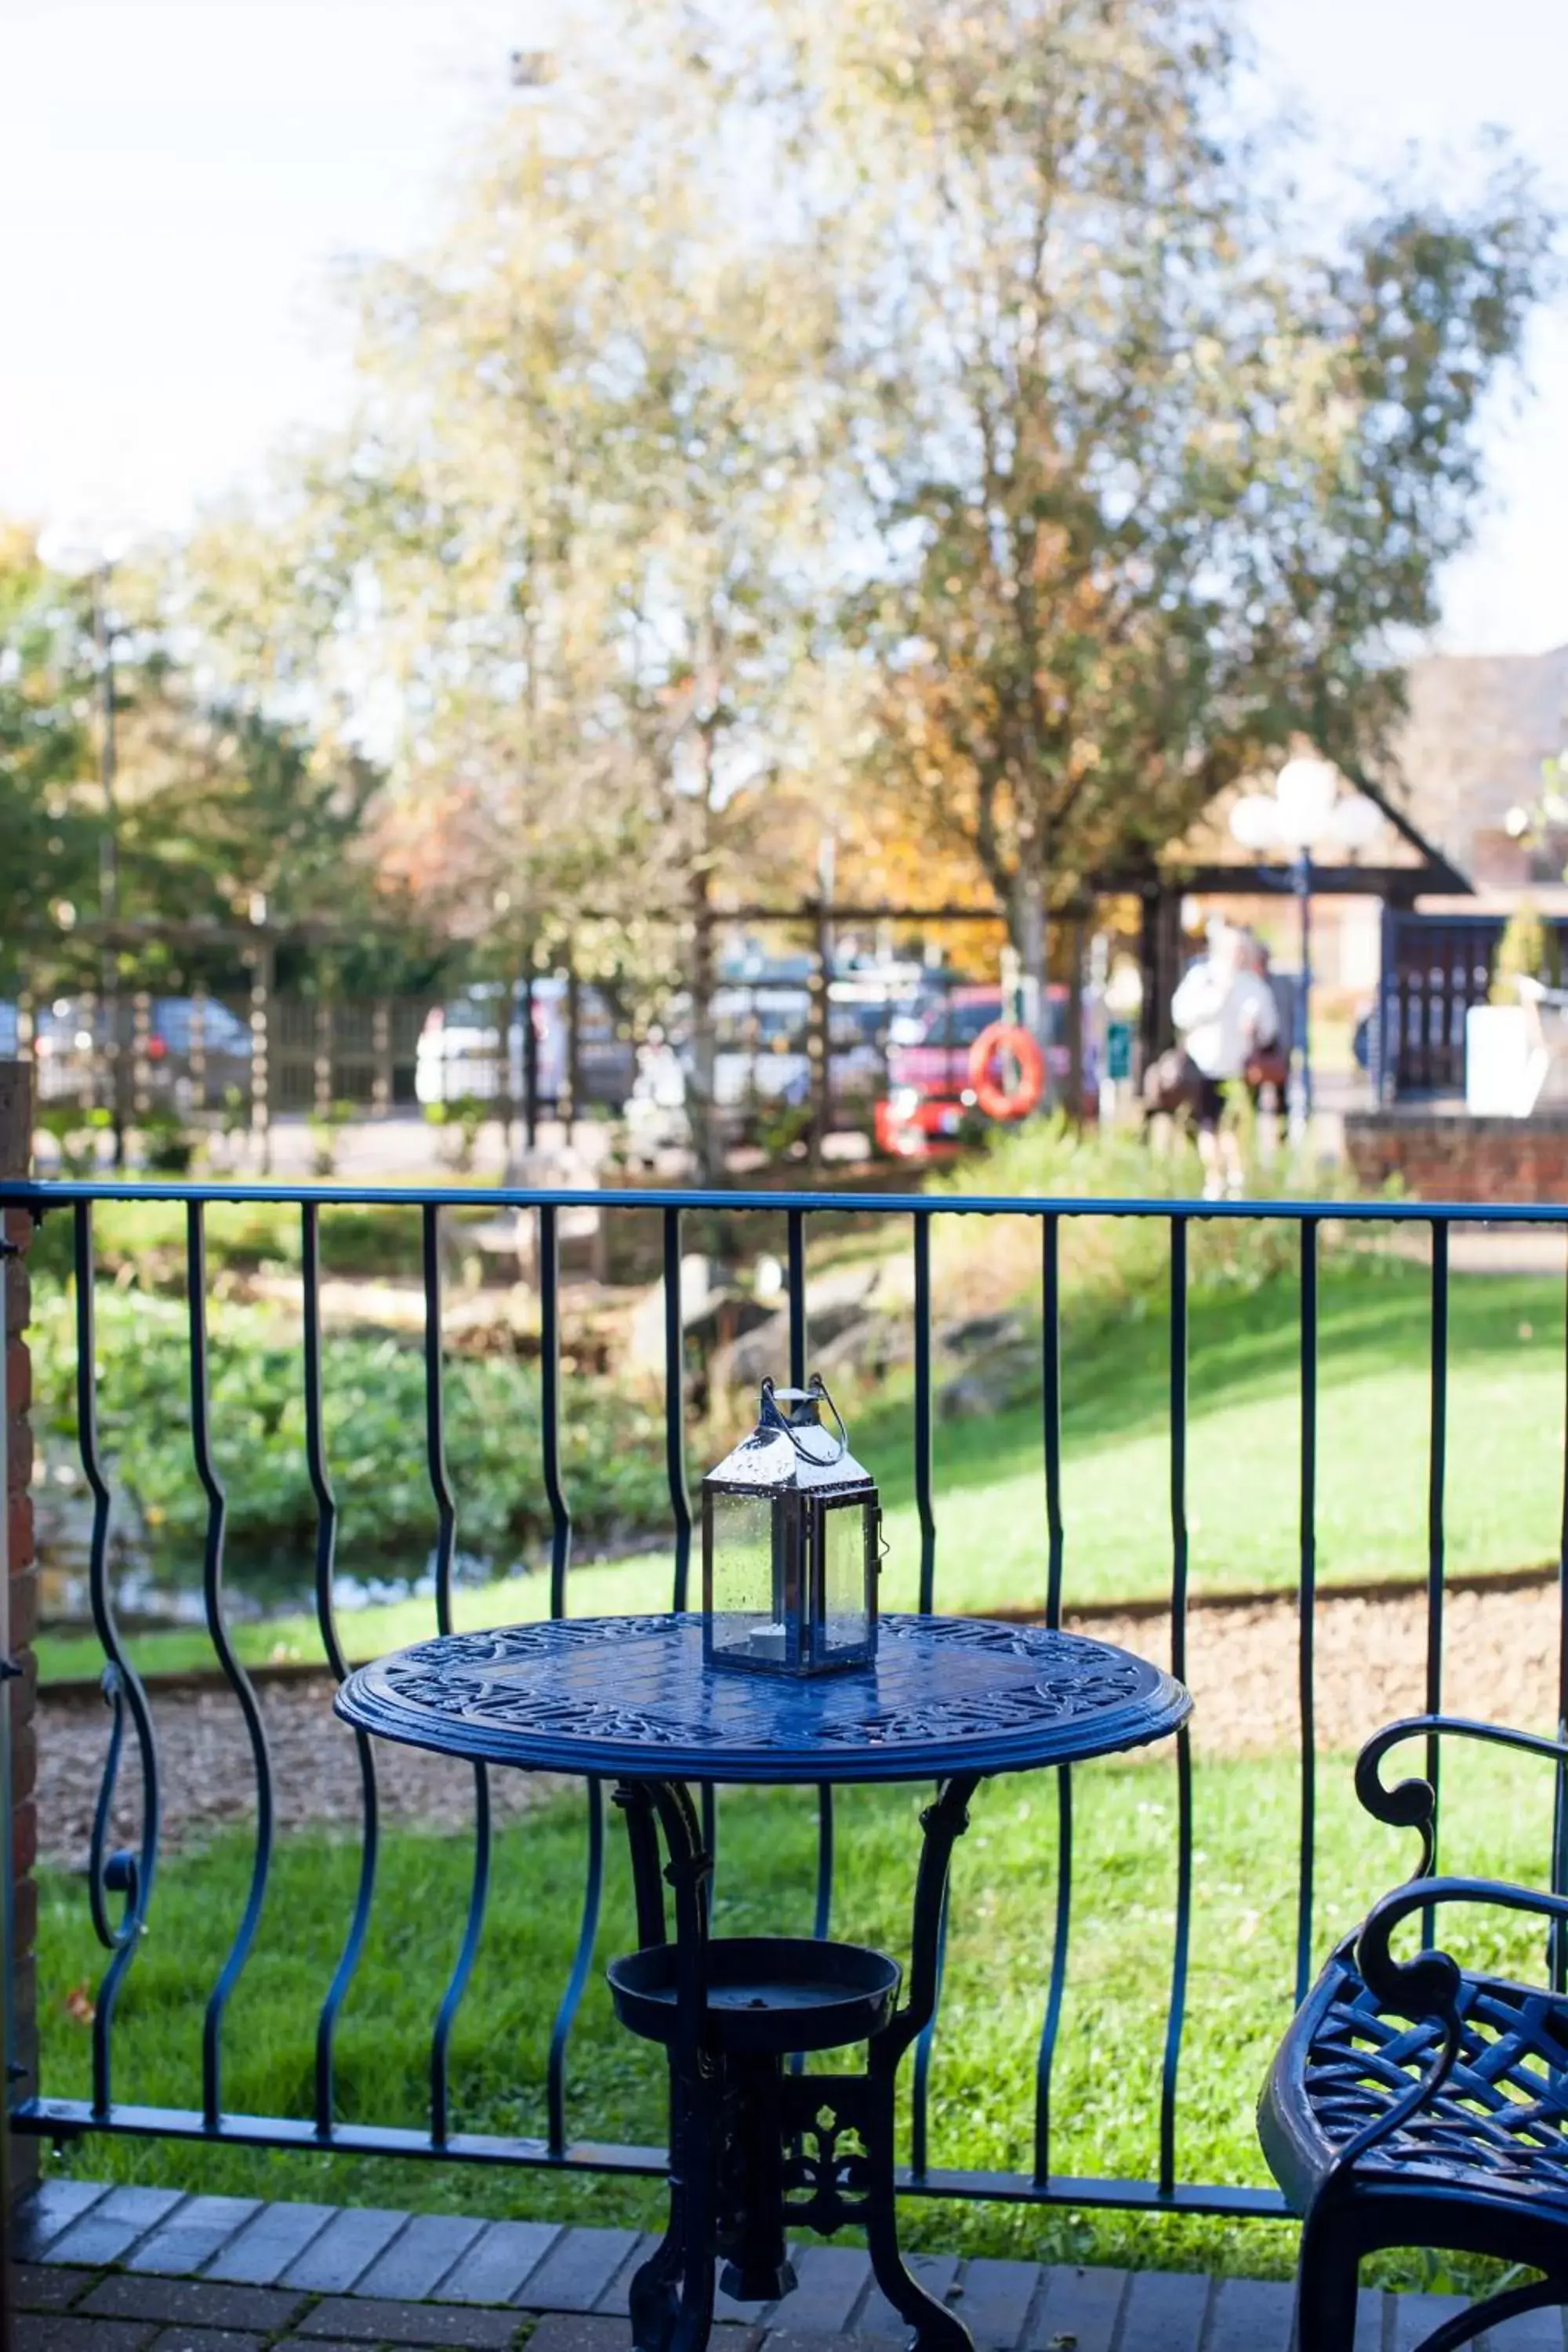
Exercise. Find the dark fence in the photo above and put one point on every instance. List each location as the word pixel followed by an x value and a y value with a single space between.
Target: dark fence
pixel 1435 968
pixel 796 1049
pixel 121 1885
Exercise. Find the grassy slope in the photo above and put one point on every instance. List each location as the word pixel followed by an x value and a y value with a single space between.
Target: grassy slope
pixel 1106 2082
pixel 1503 1498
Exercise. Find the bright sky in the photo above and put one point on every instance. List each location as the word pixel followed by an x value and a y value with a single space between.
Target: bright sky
pixel 177 176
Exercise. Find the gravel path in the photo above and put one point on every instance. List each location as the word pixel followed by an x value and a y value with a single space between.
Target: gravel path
pixel 207 1781
pixel 1502 1649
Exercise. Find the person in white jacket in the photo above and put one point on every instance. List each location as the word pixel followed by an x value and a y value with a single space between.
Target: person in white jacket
pixel 1224 1013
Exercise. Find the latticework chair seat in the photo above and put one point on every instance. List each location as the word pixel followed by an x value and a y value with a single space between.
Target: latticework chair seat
pixel 1497 2131
pixel 1414 2102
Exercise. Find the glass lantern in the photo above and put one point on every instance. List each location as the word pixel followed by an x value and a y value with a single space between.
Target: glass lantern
pixel 791 1545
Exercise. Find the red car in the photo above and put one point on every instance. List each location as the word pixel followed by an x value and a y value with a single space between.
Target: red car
pixel 931 1097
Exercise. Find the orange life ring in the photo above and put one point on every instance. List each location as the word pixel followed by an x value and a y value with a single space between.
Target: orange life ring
pixel 996 1100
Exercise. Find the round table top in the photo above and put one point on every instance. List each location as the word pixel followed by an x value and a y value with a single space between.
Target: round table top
pixel 630 1698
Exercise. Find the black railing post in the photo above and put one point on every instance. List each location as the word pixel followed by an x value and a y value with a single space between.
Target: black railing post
pixel 19 2032
pixel 1557 1939
pixel 119 1885
pixel 1436 1479
pixel 1176 2016
pixel 1307 1604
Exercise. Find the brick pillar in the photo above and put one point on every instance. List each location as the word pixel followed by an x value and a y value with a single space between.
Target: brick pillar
pixel 21 1597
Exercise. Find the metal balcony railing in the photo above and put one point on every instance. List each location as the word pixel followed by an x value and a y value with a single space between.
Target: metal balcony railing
pixel 120 1886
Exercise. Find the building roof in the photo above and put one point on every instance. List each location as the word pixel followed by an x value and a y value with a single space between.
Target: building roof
pixel 1479 729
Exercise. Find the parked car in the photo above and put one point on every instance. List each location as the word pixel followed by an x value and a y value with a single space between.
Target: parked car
pixel 762 1036
pixel 70 1041
pixel 760 1045
pixel 460 1049
pixel 929 1098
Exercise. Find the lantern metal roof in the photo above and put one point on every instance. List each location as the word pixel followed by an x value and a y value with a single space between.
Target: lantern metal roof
pixel 784 1454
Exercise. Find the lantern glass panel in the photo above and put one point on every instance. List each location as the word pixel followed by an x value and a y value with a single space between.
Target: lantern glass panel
pixel 748 1589
pixel 845 1538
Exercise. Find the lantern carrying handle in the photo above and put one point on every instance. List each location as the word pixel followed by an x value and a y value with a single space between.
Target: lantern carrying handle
pixel 816 1392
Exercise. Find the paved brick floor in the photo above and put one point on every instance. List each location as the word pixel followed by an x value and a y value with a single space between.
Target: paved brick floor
pixel 148 2270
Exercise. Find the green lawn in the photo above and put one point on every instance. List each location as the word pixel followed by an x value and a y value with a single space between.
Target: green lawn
pixel 1106 2090
pixel 1503 1492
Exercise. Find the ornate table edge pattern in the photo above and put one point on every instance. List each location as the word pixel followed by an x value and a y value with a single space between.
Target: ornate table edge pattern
pixel 396 1698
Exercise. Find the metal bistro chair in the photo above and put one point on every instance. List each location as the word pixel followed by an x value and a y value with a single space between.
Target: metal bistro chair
pixel 1415 2103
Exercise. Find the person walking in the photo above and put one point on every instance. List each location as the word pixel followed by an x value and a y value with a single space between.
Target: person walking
pixel 1224 1015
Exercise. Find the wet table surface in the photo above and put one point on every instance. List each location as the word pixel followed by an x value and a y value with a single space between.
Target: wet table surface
pixel 631 1698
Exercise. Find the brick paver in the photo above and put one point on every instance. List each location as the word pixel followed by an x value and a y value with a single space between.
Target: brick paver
pixel 1415 2315
pixel 49 2212
pixel 261 2254
pixel 575 2331
pixel 994 2301
pixel 1251 2315
pixel 578 2270
pixel 1165 2311
pixel 499 2262
pixel 355 2321
pixel 1371 2311
pixel 416 2263
pixel 334 2263
pixel 111 2226
pixel 876 2317
pixel 194 2303
pixel 829 2283
pixel 202 2228
pixel 1533 2331
pixel 39 2286
pixel 105 2283
pixel 40 2332
pixel 316 2344
pixel 1082 2305
pixel 790 2339
pixel 571 2331
pixel 208 2339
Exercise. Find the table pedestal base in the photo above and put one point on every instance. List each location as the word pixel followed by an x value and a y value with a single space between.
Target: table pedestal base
pixel 757 2150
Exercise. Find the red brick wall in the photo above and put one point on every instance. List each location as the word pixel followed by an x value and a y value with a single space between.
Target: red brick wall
pixel 16 1126
pixel 1449 1156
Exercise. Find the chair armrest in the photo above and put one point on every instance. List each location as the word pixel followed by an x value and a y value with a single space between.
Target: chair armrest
pixel 1428 1984
pixel 1413 1804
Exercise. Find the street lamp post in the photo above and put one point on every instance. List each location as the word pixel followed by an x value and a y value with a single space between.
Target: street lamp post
pixel 1303 812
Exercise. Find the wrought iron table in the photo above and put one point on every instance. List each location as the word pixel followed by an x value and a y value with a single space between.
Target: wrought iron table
pixel 754 2148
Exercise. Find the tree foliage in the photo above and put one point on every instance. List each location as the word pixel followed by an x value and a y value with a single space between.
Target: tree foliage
pixel 48 829
pixel 208 811
pixel 921 404
pixel 1159 484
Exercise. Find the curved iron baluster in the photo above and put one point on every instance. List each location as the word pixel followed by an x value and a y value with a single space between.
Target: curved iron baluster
pixel 1557 1941
pixel 445 1545
pixel 326 1618
pixel 1437 1478
pixel 923 1417
pixel 233 1672
pixel 920 2081
pixel 560 1561
pixel 675 1409
pixel 1051 1415
pixel 822 1909
pixel 920 2084
pixel 550 1404
pixel 1177 2014
pixel 577 1983
pixel 128 1873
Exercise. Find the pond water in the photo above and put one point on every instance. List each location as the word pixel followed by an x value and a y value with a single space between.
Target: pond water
pixel 156 1585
